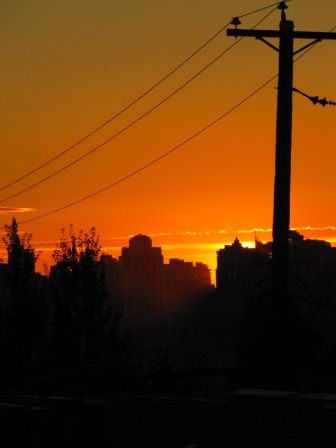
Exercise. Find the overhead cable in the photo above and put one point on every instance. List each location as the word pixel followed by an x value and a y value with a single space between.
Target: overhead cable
pixel 127 127
pixel 153 161
pixel 130 104
pixel 163 155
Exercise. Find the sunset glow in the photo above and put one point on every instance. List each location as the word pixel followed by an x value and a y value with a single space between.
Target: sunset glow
pixel 68 67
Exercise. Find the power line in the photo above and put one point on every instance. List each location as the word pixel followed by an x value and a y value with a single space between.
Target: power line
pixel 162 156
pixel 143 115
pixel 133 102
pixel 312 46
pixel 153 161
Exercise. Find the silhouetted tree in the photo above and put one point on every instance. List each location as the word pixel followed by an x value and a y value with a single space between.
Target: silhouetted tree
pixel 24 308
pixel 83 324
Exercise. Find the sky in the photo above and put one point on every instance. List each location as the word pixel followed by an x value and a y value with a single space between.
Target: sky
pixel 67 66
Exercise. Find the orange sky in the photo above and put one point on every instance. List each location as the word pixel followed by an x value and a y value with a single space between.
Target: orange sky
pixel 68 66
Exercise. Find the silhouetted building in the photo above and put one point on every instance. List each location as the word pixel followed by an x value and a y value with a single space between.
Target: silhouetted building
pixel 300 249
pixel 240 269
pixel 179 284
pixel 151 290
pixel 202 276
pixel 111 270
pixel 183 282
pixel 264 248
pixel 312 267
pixel 141 274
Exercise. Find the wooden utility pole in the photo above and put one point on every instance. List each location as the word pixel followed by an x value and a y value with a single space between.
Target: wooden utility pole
pixel 281 210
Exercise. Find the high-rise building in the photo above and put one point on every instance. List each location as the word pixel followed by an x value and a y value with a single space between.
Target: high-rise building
pixel 202 276
pixel 240 269
pixel 141 277
pixel 184 281
pixel 152 291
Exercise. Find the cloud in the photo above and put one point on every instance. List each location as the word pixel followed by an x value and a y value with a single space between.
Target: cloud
pixel 163 234
pixel 256 229
pixel 315 229
pixel 307 228
pixel 13 210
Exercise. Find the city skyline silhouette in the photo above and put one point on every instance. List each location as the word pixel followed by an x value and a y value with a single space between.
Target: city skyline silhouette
pixel 168 224
pixel 246 188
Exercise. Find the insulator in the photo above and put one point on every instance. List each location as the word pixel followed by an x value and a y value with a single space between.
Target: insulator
pixel 282 6
pixel 235 21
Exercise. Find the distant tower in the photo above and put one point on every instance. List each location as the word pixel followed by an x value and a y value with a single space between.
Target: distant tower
pixel 141 271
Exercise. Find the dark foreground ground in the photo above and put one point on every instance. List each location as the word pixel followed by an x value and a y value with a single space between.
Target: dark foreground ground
pixel 245 418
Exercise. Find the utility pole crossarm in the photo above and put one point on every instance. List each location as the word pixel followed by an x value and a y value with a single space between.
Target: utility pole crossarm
pixel 317 35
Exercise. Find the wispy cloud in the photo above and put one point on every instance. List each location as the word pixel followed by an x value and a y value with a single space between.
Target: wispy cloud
pixel 190 233
pixel 315 229
pixel 163 234
pixel 304 228
pixel 203 246
pixel 255 229
pixel 11 210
